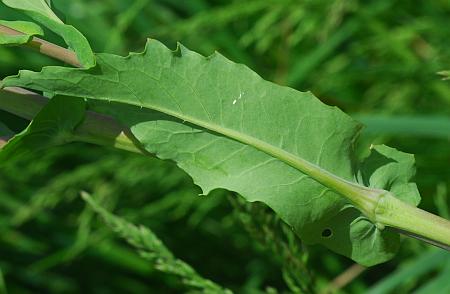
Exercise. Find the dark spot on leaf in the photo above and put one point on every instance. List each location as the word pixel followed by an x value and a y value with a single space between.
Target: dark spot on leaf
pixel 326 233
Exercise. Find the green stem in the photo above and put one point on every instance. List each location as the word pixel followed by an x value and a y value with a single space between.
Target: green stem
pixel 417 223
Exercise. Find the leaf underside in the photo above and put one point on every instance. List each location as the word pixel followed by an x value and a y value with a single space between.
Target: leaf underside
pixel 211 115
pixel 4 130
pixel 52 126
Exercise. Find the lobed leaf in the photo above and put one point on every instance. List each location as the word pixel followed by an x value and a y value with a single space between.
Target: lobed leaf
pixel 40 12
pixel 228 128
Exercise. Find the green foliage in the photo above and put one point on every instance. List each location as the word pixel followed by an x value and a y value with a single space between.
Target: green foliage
pixel 40 12
pixel 207 114
pixel 151 248
pixel 69 239
pixel 265 227
pixel 374 59
pixel 2 284
pixel 29 29
pixel 423 264
pixel 409 126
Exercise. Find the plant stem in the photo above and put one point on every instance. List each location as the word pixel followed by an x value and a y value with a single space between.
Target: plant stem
pixel 21 102
pixel 3 141
pixel 413 221
pixel 378 205
pixel 46 48
pixel 96 128
pixel 344 278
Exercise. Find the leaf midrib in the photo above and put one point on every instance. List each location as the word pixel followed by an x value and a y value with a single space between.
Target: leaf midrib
pixel 350 190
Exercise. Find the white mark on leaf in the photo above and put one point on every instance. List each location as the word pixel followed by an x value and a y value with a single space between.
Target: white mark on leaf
pixel 239 97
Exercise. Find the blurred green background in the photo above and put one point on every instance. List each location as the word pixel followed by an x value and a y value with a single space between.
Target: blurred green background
pixel 376 60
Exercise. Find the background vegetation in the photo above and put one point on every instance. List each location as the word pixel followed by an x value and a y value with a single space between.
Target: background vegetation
pixel 376 60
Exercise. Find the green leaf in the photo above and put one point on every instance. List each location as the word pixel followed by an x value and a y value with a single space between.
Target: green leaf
pixel 52 126
pixel 151 248
pixel 39 11
pixel 29 29
pixel 228 128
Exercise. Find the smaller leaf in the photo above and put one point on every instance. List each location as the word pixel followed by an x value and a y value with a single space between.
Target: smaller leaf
pixel 52 126
pixel 40 11
pixel 29 29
